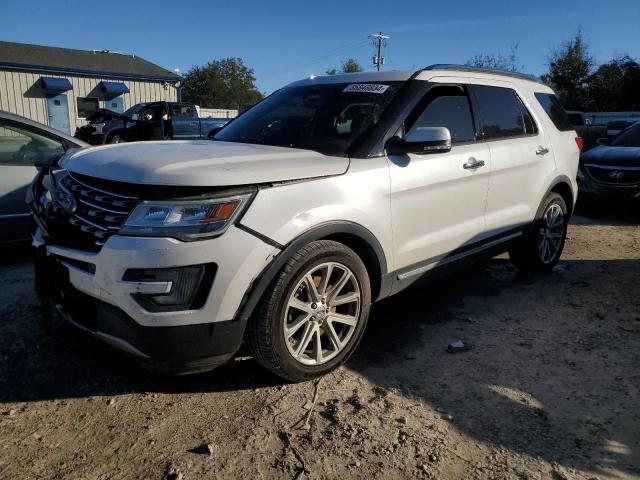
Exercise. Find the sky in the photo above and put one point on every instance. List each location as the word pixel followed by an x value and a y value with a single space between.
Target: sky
pixel 287 40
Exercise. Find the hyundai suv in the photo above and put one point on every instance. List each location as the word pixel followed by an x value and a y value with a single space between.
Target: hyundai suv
pixel 330 194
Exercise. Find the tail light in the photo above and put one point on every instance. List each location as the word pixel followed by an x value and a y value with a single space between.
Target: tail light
pixel 580 143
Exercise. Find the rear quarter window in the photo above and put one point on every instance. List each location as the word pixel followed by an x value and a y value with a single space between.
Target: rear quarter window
pixel 555 111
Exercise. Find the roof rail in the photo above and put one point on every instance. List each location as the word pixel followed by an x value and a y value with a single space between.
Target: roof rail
pixel 467 68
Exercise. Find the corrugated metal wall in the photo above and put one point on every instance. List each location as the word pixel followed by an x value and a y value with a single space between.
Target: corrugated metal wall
pixel 21 93
pixel 217 113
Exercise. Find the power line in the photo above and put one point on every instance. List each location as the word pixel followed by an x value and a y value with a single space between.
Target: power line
pixel 380 40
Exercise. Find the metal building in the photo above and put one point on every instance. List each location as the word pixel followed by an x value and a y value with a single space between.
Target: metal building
pixel 60 87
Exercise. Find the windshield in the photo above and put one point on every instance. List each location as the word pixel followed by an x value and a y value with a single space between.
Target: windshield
pixel 629 138
pixel 135 109
pixel 327 118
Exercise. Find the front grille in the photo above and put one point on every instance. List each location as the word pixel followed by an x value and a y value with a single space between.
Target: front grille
pixel 614 175
pixel 100 212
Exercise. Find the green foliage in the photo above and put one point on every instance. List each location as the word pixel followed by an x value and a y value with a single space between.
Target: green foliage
pixel 350 65
pixel 569 70
pixel 497 61
pixel 226 83
pixel 615 86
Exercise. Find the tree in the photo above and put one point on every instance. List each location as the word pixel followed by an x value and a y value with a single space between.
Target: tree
pixel 350 65
pixel 225 83
pixel 569 69
pixel 497 61
pixel 615 86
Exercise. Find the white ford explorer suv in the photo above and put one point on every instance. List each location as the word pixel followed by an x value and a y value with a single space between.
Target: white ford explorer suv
pixel 330 194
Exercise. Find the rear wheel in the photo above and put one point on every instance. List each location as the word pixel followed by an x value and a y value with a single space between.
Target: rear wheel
pixel 540 249
pixel 314 314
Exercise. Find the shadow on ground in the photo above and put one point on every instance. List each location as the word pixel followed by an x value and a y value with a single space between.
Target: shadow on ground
pixel 553 372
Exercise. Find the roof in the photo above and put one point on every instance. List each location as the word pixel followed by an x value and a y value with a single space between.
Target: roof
pixel 390 76
pixel 24 56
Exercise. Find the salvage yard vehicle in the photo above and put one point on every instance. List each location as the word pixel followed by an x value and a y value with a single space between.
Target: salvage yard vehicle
pixel 613 167
pixel 330 194
pixel 149 121
pixel 24 146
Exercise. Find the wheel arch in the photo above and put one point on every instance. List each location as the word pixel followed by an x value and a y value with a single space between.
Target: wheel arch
pixel 351 234
pixel 562 186
pixel 118 131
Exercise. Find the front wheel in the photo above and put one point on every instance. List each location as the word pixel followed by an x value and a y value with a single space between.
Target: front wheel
pixel 540 248
pixel 115 138
pixel 314 313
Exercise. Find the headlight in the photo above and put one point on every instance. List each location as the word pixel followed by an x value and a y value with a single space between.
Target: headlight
pixel 185 220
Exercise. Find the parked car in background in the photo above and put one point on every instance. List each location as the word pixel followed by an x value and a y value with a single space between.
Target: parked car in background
pixel 614 128
pixel 613 167
pixel 329 194
pixel 25 145
pixel 586 129
pixel 149 121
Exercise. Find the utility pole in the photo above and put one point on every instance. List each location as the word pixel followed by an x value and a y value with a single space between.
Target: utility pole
pixel 380 41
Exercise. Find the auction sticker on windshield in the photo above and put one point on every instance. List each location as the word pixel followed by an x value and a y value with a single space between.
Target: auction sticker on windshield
pixel 366 88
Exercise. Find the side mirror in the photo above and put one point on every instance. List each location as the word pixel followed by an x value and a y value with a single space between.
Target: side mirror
pixel 213 132
pixel 421 140
pixel 602 141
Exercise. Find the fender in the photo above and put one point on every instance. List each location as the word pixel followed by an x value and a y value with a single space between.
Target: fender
pixel 324 230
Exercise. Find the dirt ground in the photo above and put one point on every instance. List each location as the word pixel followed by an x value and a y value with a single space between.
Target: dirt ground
pixel 550 389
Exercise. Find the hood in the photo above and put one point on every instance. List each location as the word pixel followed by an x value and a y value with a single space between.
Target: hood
pixel 614 156
pixel 201 163
pixel 103 115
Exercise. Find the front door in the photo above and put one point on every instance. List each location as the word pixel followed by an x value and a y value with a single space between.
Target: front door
pixel 438 199
pixel 58 112
pixel 115 104
pixel 151 124
pixel 21 149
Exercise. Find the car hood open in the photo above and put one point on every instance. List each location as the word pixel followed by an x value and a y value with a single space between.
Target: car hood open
pixel 201 163
pixel 102 115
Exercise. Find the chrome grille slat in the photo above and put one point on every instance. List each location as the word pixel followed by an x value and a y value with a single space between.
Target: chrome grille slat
pixel 98 207
pixel 100 212
pixel 102 190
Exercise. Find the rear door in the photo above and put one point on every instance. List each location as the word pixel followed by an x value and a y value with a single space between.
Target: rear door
pixel 521 156
pixel 437 201
pixel 185 123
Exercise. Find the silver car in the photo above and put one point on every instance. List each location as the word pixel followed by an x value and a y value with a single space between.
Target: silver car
pixel 25 145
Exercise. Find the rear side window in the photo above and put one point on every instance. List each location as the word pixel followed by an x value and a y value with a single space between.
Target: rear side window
pixel 502 113
pixel 182 111
pixel 555 111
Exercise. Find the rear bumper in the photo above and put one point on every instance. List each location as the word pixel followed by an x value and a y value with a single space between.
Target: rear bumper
pixel 170 350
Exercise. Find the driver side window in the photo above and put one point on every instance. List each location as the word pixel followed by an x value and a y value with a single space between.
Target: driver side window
pixel 449 107
pixel 23 147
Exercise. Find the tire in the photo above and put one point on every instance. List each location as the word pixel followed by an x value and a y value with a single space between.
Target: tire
pixel 115 138
pixel 539 250
pixel 300 336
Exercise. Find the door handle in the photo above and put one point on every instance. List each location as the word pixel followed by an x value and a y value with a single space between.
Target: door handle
pixel 473 163
pixel 542 151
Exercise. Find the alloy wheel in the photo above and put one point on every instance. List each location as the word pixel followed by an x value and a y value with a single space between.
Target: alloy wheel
pixel 321 313
pixel 551 232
